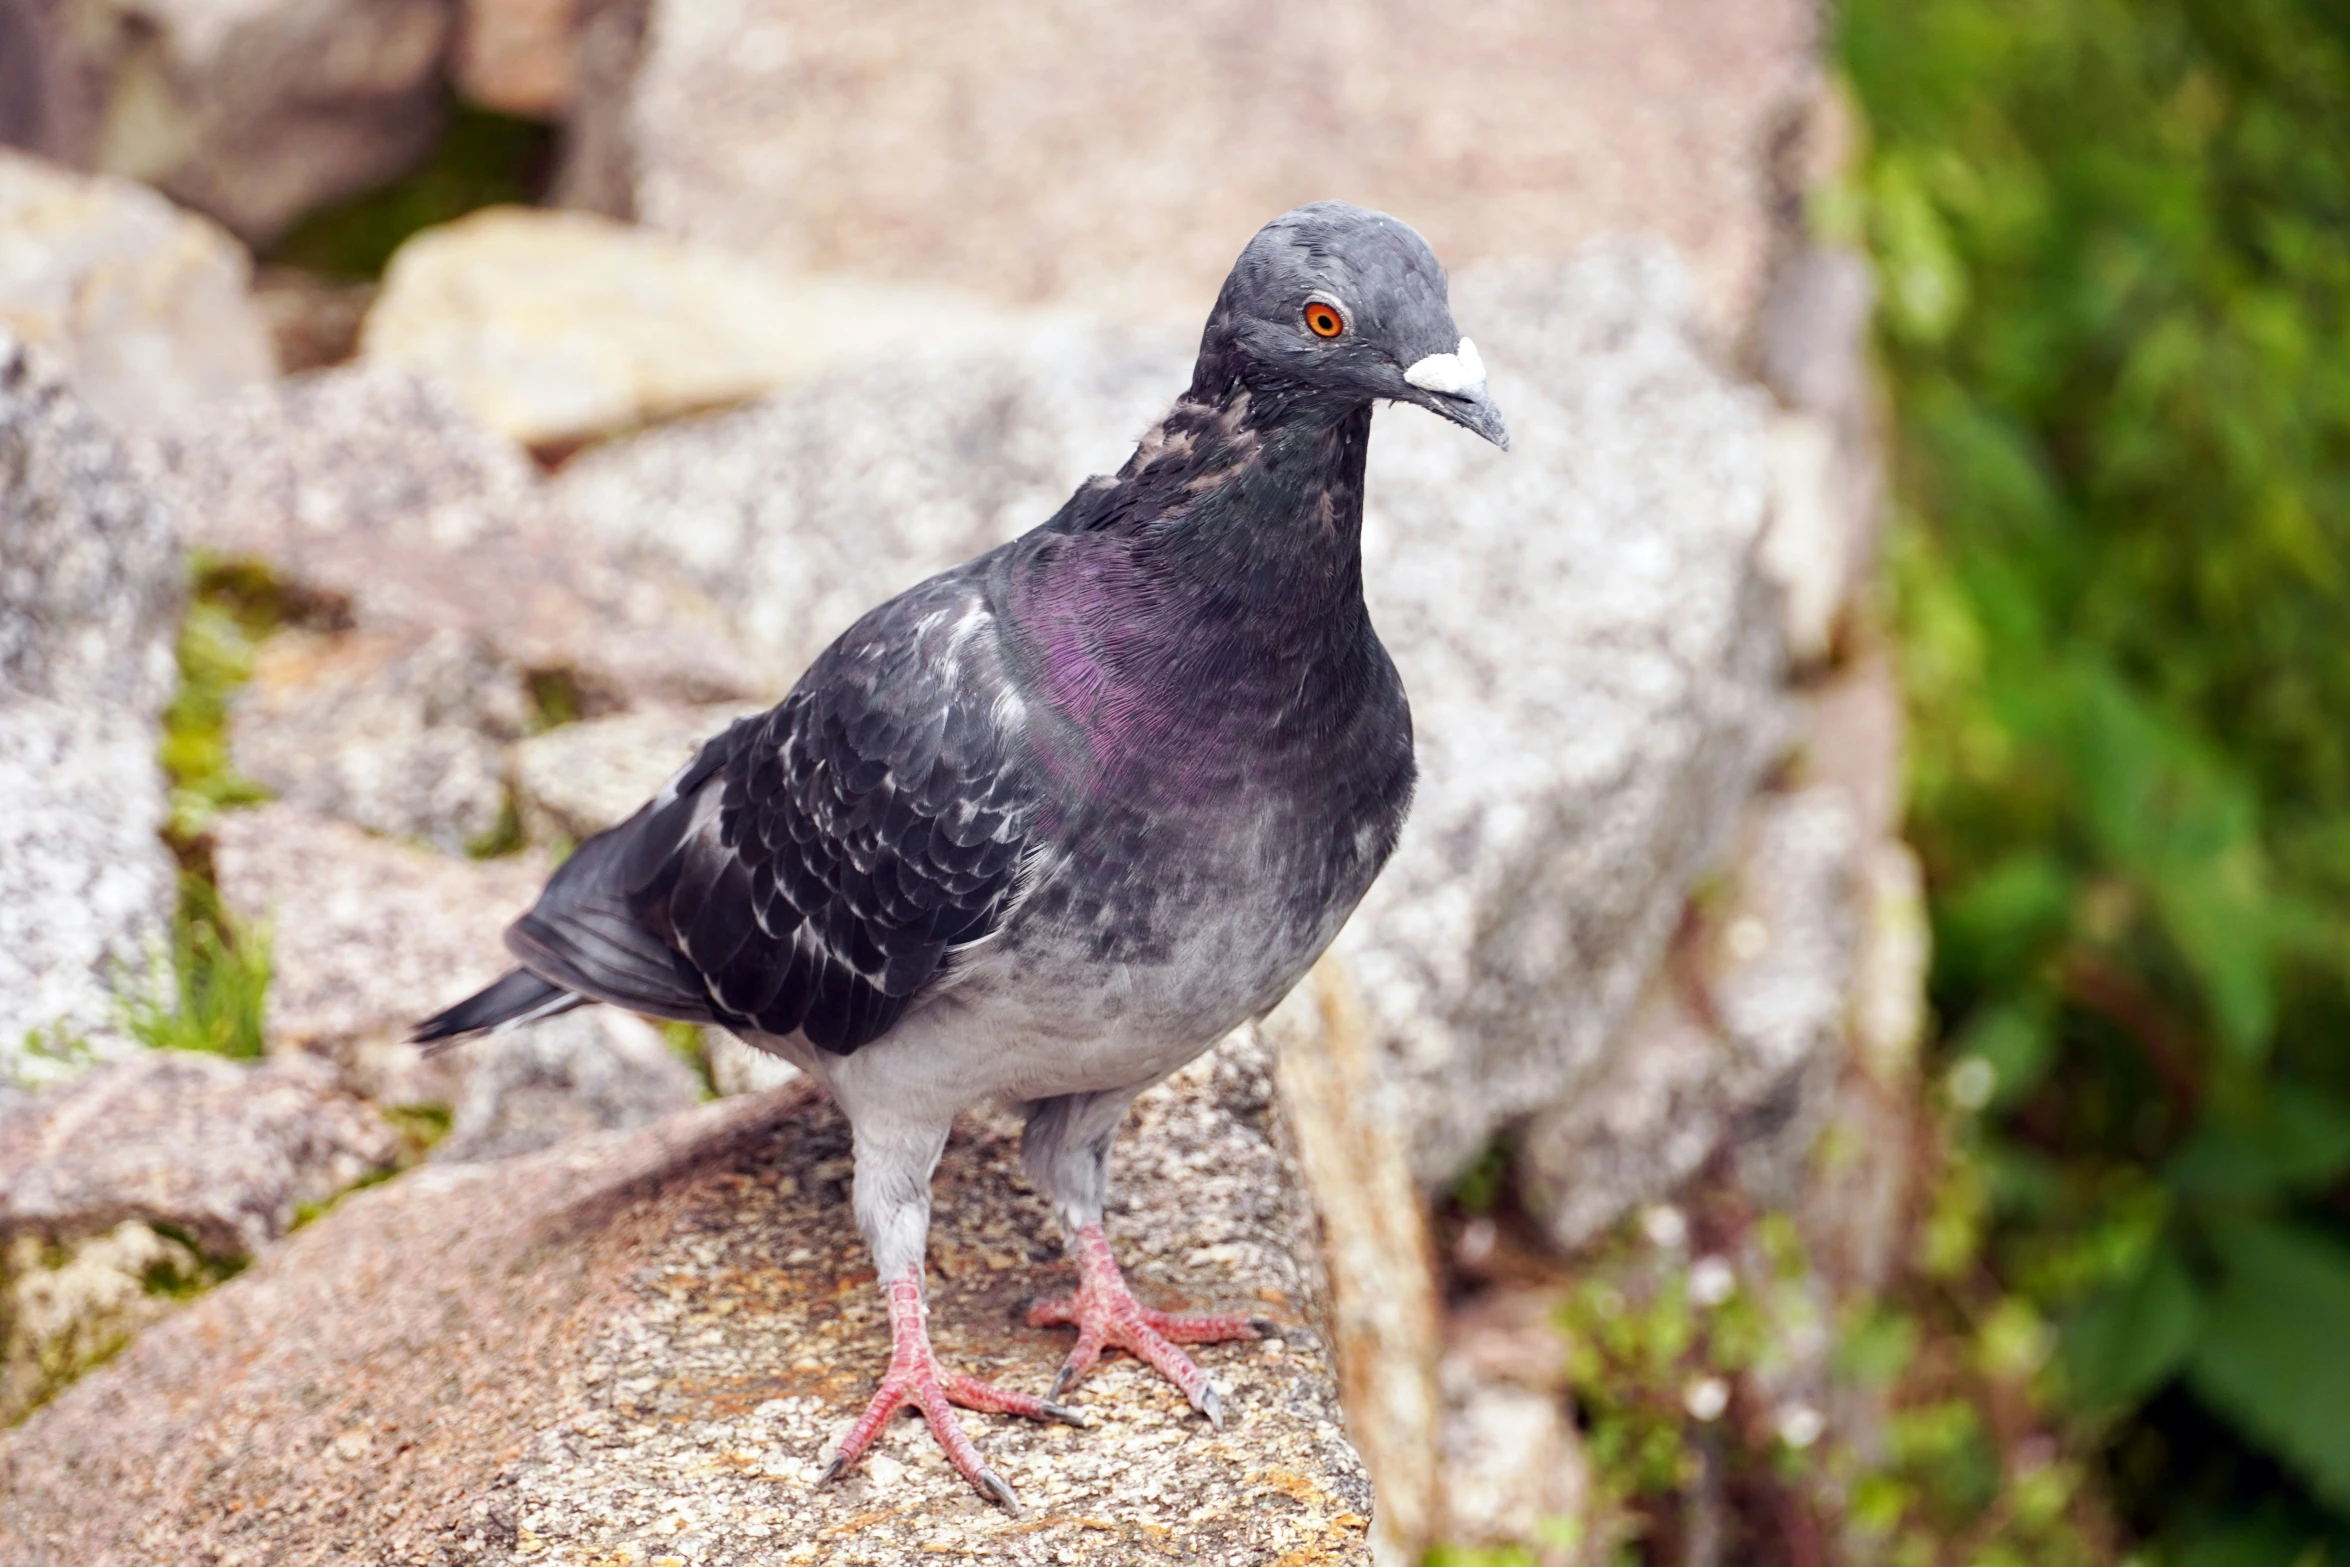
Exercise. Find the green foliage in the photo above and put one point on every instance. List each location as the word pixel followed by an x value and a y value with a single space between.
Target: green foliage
pixel 2114 246
pixel 212 993
pixel 483 159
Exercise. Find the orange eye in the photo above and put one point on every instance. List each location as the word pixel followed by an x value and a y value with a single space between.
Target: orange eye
pixel 1324 321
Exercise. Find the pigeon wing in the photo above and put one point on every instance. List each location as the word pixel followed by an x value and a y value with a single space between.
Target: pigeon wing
pixel 816 867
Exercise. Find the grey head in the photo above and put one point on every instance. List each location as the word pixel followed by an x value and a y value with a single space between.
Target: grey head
pixel 1333 306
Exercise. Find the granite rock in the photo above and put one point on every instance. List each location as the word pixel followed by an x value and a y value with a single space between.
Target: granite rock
pixel 254 111
pixel 142 303
pixel 581 778
pixel 650 1337
pixel 90 592
pixel 592 1070
pixel 89 884
pixel 1122 153
pixel 90 572
pixel 798 514
pixel 373 490
pixel 1384 1306
pixel 1593 655
pixel 402 735
pixel 367 937
pixel 1736 1044
pixel 222 1152
pixel 557 326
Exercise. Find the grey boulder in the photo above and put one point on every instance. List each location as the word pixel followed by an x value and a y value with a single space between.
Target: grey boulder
pixel 222 1152
pixel 592 1070
pixel 90 591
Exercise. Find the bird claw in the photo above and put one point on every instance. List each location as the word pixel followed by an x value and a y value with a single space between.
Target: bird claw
pixel 1107 1316
pixel 1210 1403
pixel 998 1491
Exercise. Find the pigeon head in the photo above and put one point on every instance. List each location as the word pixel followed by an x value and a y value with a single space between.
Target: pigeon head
pixel 1339 306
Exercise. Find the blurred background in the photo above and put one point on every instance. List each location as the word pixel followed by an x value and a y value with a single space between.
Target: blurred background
pixel 1863 1080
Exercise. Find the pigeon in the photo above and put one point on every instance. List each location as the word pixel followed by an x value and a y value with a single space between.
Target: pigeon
pixel 1043 828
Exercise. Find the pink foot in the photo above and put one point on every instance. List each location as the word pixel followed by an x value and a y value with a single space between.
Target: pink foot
pixel 915 1379
pixel 1107 1316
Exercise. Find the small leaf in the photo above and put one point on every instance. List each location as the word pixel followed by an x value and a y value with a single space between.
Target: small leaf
pixel 2271 1355
pixel 2131 1338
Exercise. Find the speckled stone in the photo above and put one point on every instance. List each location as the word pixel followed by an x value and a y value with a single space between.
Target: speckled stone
pixel 366 937
pixel 635 1348
pixel 90 594
pixel 373 490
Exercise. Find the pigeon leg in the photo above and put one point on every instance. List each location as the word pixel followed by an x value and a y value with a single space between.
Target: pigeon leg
pixel 1107 1316
pixel 915 1380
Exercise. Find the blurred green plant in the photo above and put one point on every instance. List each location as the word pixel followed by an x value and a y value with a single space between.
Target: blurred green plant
pixel 211 994
pixel 2113 241
pixel 483 159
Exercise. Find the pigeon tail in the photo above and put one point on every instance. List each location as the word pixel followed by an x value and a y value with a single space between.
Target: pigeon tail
pixel 519 997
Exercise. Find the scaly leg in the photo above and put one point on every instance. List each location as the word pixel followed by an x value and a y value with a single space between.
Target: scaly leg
pixel 1107 1316
pixel 915 1380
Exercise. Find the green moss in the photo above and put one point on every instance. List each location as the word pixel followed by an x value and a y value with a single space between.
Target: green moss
pixel 686 1040
pixel 482 159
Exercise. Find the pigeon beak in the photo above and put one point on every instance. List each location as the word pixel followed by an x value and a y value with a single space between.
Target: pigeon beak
pixel 1454 385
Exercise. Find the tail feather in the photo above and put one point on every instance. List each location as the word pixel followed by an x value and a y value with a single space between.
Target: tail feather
pixel 520 997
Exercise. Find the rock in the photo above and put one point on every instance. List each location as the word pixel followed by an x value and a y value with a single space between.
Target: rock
pixel 1122 153
pixel 1592 655
pixel 90 591
pixel 557 326
pixel 90 573
pixel 582 778
pixel 591 1070
pixel 372 489
pixel 142 303
pixel 518 56
pixel 398 734
pixel 1383 1290
pixel 1593 662
pixel 802 512
pixel 366 938
pixel 253 112
pixel 1514 1471
pixel 221 1152
pixel 1741 1066
pixel 87 914
pixel 635 1345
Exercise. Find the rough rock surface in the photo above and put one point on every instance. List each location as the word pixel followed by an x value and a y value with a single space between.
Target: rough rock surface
pixel 142 303
pixel 87 909
pixel 582 778
pixel 399 734
pixel 1735 1043
pixel 639 1344
pixel 366 937
pixel 556 326
pixel 90 590
pixel 1122 153
pixel 223 1152
pixel 802 512
pixel 592 1070
pixel 90 587
pixel 253 111
pixel 1591 652
pixel 373 488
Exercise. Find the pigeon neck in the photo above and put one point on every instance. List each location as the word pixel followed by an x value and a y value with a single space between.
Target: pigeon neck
pixel 1267 506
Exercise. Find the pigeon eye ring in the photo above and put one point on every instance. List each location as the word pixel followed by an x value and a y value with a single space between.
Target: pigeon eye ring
pixel 1324 320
